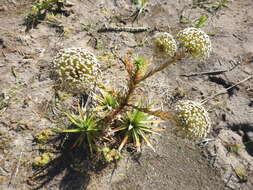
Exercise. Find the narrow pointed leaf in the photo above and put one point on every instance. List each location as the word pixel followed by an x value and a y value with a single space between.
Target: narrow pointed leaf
pixel 146 140
pixel 90 143
pixel 71 130
pixel 73 120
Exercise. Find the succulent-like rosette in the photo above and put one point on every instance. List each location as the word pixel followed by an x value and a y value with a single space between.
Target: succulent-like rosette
pixel 192 119
pixel 77 66
pixel 195 42
pixel 164 44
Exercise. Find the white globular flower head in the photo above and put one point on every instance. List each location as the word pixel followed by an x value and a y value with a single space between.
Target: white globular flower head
pixel 192 119
pixel 195 42
pixel 76 66
pixel 164 44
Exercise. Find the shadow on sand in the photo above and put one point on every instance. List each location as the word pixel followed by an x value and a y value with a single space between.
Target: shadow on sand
pixel 63 167
pixel 245 127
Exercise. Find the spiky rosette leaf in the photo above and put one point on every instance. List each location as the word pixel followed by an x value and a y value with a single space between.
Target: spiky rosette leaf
pixel 86 124
pixel 77 66
pixel 106 102
pixel 164 44
pixel 136 126
pixel 192 119
pixel 195 42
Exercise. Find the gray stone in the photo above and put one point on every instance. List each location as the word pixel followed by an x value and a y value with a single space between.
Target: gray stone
pixel 249 135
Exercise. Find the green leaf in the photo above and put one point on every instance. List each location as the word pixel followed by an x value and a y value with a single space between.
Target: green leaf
pixel 136 2
pixel 200 22
pixel 71 130
pixel 56 128
pixel 87 125
pixel 139 62
pixel 90 143
pixel 79 140
pixel 136 124
pixel 143 3
pixel 73 120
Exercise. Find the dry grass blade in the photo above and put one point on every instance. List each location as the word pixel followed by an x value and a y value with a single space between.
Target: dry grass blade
pixel 124 141
pixel 146 140
pixel 136 140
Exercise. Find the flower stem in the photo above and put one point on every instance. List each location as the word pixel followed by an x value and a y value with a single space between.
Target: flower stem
pixel 161 67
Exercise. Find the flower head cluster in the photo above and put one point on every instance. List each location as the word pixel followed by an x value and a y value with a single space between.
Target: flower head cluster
pixel 195 42
pixel 192 119
pixel 76 66
pixel 164 44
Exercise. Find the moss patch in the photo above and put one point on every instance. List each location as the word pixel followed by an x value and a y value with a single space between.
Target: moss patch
pixel 43 160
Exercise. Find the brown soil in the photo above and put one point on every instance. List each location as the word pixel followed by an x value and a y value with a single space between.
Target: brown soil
pixel 28 99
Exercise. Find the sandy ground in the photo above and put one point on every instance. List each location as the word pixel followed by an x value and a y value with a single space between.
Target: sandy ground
pixel 28 99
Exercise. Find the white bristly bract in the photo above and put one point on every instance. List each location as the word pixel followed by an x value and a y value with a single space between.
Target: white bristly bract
pixel 195 42
pixel 192 119
pixel 164 44
pixel 76 66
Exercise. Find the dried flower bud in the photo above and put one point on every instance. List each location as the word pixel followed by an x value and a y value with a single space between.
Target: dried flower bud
pixel 192 119
pixel 77 66
pixel 195 42
pixel 164 44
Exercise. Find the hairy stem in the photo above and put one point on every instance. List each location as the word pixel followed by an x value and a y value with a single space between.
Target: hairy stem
pixel 161 67
pixel 158 113
pixel 135 79
pixel 124 101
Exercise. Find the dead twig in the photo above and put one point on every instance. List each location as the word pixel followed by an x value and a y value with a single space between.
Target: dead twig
pixel 228 180
pixel 218 72
pixel 205 73
pixel 123 29
pixel 15 172
pixel 13 72
pixel 226 90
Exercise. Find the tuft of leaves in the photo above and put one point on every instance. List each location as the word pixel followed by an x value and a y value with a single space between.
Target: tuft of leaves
pixel 41 8
pixel 142 4
pixel 106 102
pixel 199 22
pixel 196 23
pixel 140 63
pixel 211 6
pixel 135 126
pixel 86 124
